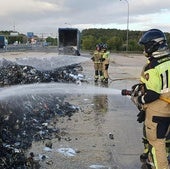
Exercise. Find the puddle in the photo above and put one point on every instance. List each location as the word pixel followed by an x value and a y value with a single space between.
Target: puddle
pixel 99 166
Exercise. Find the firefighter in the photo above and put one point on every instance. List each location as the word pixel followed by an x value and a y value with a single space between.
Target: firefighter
pixel 97 60
pixel 105 64
pixel 156 77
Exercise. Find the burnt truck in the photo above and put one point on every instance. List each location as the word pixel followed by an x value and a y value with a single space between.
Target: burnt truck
pixel 69 41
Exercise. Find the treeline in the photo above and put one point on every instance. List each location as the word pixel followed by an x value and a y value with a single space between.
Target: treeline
pixel 116 39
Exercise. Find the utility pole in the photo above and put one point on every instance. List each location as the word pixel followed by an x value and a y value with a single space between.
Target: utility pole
pixel 127 35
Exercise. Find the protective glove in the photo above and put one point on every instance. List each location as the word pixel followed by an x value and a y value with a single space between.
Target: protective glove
pixel 141 116
pixel 101 59
pixel 92 58
pixel 145 141
pixel 138 89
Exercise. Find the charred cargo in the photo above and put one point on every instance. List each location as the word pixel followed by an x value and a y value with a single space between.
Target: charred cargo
pixel 69 41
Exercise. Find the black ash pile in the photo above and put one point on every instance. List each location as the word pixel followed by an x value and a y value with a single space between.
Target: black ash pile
pixel 14 74
pixel 29 118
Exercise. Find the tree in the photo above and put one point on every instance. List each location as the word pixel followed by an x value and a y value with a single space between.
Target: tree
pixel 115 38
pixel 51 41
pixel 115 43
pixel 88 42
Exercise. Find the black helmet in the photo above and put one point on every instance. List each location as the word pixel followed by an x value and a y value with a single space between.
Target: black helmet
pixel 104 46
pixel 153 40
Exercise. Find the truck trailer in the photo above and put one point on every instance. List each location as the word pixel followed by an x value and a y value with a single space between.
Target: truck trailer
pixel 69 41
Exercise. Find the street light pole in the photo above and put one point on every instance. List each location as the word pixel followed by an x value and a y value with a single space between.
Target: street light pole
pixel 127 35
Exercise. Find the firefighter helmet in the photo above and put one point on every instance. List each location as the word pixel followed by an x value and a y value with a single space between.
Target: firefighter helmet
pixel 153 40
pixel 98 47
pixel 104 46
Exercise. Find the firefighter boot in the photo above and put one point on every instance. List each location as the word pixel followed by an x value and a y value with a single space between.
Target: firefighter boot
pixel 101 76
pixel 96 77
pixel 106 80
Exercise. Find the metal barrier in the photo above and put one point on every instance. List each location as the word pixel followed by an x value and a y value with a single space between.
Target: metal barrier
pixel 24 47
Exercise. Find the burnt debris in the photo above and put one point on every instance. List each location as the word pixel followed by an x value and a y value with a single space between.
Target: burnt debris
pixel 14 74
pixel 29 118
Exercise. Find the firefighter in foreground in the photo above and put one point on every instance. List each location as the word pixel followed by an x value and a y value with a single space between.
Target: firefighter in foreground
pixel 156 98
pixel 97 60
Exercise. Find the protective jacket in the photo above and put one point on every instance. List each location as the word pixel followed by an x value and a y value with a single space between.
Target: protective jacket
pixel 97 56
pixel 106 57
pixel 156 77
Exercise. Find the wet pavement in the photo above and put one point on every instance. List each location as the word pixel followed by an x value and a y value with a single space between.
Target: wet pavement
pixel 74 130
pixel 27 118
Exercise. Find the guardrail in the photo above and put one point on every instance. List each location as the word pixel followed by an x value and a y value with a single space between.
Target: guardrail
pixel 10 48
pixel 22 47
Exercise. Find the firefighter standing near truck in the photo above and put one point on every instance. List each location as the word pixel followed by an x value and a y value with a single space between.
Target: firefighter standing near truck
pixel 97 60
pixel 156 99
pixel 105 63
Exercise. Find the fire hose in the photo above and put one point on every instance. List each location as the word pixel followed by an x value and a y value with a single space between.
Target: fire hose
pixel 136 92
pixel 126 92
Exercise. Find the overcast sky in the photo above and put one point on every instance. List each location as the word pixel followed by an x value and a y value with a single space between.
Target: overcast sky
pixel 46 16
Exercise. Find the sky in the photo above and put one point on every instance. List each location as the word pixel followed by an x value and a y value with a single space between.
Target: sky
pixel 44 17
